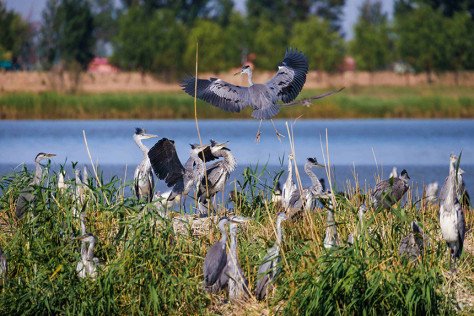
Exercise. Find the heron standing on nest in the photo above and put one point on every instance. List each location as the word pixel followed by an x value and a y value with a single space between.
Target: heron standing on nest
pixel 144 182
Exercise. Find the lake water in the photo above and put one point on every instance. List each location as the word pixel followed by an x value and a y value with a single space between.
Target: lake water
pixel 422 147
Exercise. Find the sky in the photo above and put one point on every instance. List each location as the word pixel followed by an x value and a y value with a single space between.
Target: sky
pixel 32 9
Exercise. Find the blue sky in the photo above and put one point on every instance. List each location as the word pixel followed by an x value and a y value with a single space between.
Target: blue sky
pixel 33 9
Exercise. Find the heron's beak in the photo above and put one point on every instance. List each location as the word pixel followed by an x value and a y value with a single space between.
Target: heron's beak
pixel 149 135
pixel 238 73
pixel 50 155
pixel 79 238
pixel 222 145
pixel 241 219
pixel 320 166
pixel 203 147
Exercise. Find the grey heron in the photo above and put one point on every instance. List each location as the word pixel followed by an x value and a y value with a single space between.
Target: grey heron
pixel 167 167
pixel 451 216
pixel 284 86
pixel 390 191
pixel 216 258
pixel 88 264
pixel 269 269
pixel 218 173
pixel 276 195
pixel 413 245
pixel 307 199
pixel 144 184
pixel 3 265
pixel 232 276
pixel 289 186
pixel 461 193
pixel 26 197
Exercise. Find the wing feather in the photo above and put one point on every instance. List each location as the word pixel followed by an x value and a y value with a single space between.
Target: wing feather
pixel 165 162
pixel 214 263
pixel 217 92
pixel 291 76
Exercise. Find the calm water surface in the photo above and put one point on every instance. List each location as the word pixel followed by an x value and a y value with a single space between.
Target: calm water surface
pixel 420 146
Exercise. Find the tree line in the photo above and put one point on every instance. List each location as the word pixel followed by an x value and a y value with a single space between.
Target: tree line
pixel 159 36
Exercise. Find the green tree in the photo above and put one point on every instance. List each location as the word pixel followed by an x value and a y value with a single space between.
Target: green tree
pixel 49 35
pixel 323 46
pixel 372 46
pixel 14 33
pixel 269 43
pixel 106 24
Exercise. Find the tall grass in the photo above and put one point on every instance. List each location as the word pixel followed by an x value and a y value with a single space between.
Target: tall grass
pixel 354 102
pixel 149 266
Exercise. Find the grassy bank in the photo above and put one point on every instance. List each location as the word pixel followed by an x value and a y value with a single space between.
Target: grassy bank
pixel 354 102
pixel 153 265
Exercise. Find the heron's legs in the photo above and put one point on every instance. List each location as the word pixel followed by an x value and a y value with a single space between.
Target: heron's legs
pixel 257 138
pixel 278 134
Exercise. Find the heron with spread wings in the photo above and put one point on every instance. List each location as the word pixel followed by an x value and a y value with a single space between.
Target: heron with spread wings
pixel 167 167
pixel 262 97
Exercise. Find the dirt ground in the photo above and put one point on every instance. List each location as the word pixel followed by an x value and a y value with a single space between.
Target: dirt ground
pixel 135 82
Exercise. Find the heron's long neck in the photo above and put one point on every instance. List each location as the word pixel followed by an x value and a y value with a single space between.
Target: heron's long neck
pixel 90 251
pixel 142 147
pixel 84 250
pixel 233 244
pixel 250 77
pixel 316 185
pixel 223 232
pixel 200 167
pixel 83 226
pixel 279 234
pixel 229 161
pixel 451 197
pixel 38 173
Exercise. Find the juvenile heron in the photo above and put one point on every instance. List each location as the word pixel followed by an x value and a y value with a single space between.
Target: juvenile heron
pixel 269 269
pixel 309 193
pixel 390 191
pixel 144 184
pixel 451 216
pixel 88 264
pixel 461 193
pixel 167 167
pixel 413 244
pixel 276 195
pixel 330 240
pixel 432 191
pixel 218 173
pixel 289 187
pixel 216 259
pixel 232 276
pixel 284 86
pixel 394 173
pixel 26 197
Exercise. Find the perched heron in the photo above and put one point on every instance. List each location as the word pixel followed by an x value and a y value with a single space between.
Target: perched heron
pixel 331 230
pixel 232 275
pixel 431 191
pixel 277 195
pixel 81 184
pixel 394 173
pixel 289 187
pixel 3 264
pixel 451 216
pixel 269 269
pixel 284 86
pixel 62 185
pixel 88 264
pixel 167 167
pixel 216 258
pixel 413 244
pixel 461 192
pixel 144 184
pixel 362 210
pixel 218 173
pixel 390 191
pixel 307 199
pixel 26 197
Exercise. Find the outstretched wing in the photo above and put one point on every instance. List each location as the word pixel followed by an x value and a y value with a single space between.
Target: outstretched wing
pixel 217 92
pixel 165 162
pixel 291 76
pixel 306 101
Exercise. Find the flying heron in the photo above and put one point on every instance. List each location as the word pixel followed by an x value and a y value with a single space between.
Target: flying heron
pixel 269 269
pixel 88 264
pixel 167 167
pixel 451 216
pixel 218 173
pixel 413 244
pixel 144 184
pixel 390 191
pixel 25 197
pixel 289 186
pixel 284 86
pixel 309 193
